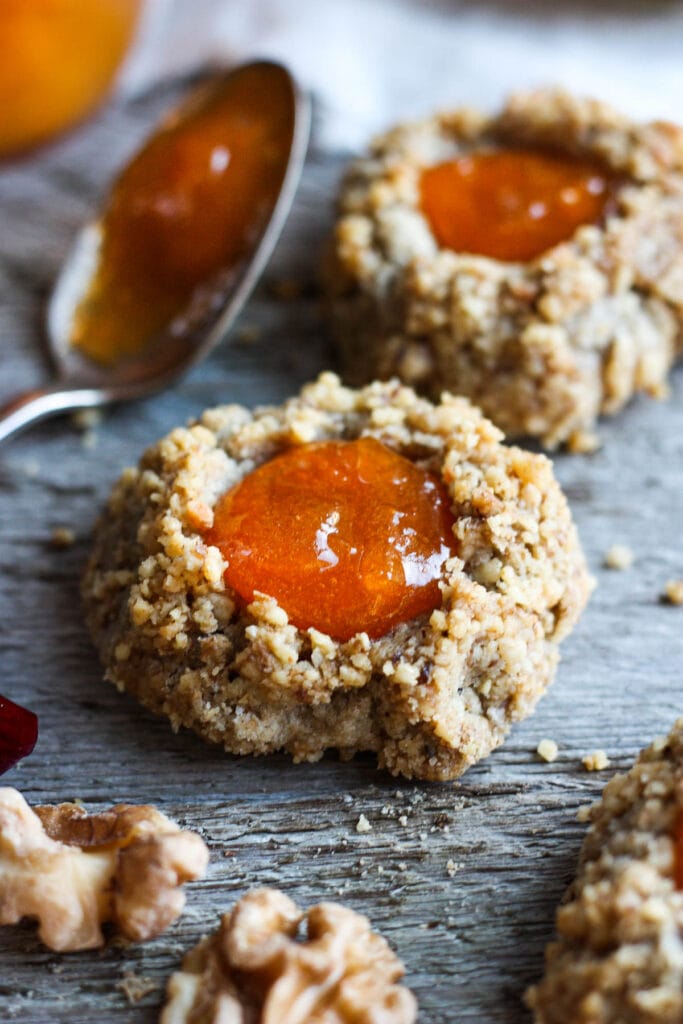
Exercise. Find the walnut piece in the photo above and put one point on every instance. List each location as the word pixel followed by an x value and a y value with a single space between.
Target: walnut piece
pixel 74 871
pixel 253 970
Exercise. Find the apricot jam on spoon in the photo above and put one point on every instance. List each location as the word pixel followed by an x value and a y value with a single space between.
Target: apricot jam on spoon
pixel 347 536
pixel 159 278
pixel 513 204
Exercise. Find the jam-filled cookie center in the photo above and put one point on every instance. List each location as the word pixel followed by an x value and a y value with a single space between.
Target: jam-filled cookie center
pixel 347 536
pixel 513 204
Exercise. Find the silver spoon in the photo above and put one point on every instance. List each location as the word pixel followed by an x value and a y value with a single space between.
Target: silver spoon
pixel 81 383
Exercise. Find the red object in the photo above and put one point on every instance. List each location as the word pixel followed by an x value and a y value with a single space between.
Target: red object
pixel 513 204
pixel 347 536
pixel 18 733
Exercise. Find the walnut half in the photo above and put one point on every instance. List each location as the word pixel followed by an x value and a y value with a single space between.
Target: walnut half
pixel 254 970
pixel 75 871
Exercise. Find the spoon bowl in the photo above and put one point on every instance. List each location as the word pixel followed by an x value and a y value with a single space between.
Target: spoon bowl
pixel 81 382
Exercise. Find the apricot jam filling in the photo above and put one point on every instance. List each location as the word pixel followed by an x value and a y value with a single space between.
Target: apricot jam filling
pixel 347 536
pixel 191 204
pixel 513 204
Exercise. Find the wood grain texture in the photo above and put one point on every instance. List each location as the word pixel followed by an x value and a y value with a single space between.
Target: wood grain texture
pixel 473 938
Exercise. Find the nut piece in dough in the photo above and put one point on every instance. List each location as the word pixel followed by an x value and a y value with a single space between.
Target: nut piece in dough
pixel 430 697
pixel 545 346
pixel 618 958
pixel 75 871
pixel 255 969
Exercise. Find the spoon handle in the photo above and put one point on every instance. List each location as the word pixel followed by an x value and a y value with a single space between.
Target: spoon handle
pixel 31 406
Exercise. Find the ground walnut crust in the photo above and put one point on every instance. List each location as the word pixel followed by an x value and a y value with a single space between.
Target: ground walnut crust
pixel 619 955
pixel 432 696
pixel 542 347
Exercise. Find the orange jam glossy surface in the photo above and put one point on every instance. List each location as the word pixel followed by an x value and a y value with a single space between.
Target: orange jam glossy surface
pixel 678 854
pixel 347 536
pixel 58 58
pixel 513 204
pixel 191 204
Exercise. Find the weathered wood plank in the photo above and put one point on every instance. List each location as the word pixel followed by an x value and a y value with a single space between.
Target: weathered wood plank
pixel 471 941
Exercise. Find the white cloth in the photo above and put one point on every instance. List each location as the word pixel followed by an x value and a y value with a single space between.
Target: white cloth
pixel 372 62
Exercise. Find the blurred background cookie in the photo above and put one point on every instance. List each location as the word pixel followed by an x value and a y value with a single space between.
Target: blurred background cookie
pixel 532 261
pixel 618 958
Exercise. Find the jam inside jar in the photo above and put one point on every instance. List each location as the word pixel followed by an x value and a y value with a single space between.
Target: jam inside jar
pixel 513 204
pixel 347 536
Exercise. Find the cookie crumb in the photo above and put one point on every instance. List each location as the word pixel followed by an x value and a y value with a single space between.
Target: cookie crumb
pixel 269 960
pixel 403 820
pixel 596 761
pixel 547 750
pixel 673 592
pixel 583 814
pixel 122 652
pixel 62 537
pixel 451 868
pixel 583 442
pixel 135 986
pixel 363 825
pixel 86 419
pixel 619 556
